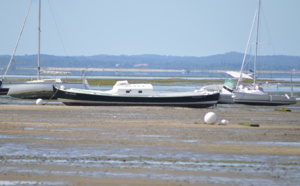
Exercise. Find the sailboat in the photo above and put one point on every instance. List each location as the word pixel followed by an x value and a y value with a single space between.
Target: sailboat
pixel 253 94
pixel 39 88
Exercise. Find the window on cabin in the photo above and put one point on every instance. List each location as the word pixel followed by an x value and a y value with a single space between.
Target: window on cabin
pixel 127 91
pixel 140 91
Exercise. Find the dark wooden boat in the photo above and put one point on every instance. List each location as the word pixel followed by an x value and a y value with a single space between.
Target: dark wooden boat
pixel 125 94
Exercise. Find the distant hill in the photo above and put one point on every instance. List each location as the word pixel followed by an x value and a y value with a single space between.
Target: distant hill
pixel 227 61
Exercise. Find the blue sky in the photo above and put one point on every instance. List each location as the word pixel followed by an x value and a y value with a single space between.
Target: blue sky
pixel 164 27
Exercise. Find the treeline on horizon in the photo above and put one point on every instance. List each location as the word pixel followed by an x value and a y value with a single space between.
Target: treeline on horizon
pixel 228 61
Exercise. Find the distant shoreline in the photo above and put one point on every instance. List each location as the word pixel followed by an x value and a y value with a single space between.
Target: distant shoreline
pixel 152 70
pixel 154 63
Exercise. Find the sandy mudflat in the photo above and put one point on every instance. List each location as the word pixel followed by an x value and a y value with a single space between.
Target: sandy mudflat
pixel 62 145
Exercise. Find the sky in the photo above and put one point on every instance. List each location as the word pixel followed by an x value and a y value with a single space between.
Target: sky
pixel 134 27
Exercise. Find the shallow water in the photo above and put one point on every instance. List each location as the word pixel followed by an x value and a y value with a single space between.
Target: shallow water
pixel 252 165
pixel 39 148
pixel 147 175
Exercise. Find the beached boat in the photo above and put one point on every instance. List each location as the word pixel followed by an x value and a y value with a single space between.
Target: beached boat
pixel 125 94
pixel 253 94
pixel 39 88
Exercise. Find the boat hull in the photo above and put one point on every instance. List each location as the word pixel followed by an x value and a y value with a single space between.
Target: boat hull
pixel 37 90
pixel 83 99
pixel 262 99
pixel 225 95
pixel 225 98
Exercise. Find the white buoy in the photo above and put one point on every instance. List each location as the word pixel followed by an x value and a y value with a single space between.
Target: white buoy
pixel 210 118
pixel 62 87
pixel 39 101
pixel 224 122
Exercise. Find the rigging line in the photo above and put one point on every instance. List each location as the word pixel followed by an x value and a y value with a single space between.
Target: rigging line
pixel 268 30
pixel 57 29
pixel 12 57
pixel 51 96
pixel 241 71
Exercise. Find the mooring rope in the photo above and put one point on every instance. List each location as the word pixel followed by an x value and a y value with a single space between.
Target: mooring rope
pixel 51 97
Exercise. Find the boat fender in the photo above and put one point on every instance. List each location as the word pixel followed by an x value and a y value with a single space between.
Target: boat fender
pixel 62 87
pixel 210 118
pixel 39 101
pixel 224 122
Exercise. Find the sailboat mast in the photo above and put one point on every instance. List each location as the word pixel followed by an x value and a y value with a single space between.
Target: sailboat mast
pixel 39 41
pixel 256 42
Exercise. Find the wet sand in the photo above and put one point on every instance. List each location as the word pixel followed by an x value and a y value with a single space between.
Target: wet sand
pixel 62 145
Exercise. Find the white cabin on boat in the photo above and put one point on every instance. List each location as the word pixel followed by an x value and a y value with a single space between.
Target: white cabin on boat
pixel 123 87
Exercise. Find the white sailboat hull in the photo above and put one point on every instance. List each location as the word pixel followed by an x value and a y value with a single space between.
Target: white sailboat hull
pixel 262 99
pixel 38 90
